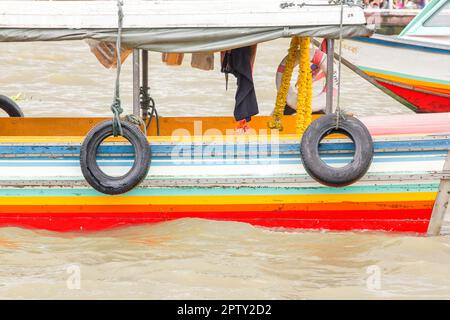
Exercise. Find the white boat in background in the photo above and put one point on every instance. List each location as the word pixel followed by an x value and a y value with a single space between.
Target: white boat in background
pixel 416 64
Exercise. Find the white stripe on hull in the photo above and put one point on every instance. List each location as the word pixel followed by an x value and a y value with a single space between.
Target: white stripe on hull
pixel 36 172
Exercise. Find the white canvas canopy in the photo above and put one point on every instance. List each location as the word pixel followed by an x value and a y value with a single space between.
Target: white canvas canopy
pixel 178 25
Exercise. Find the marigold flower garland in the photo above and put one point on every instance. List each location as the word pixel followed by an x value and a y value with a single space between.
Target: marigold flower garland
pixel 304 85
pixel 276 123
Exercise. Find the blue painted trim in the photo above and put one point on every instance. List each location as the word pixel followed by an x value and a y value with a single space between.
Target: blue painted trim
pixel 399 44
pixel 167 150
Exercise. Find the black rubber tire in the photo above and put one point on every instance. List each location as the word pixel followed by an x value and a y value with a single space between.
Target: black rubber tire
pixel 331 176
pixel 10 107
pixel 96 177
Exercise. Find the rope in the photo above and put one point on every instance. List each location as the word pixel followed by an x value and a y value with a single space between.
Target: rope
pixel 131 118
pixel 338 104
pixel 154 113
pixel 116 107
pixel 148 107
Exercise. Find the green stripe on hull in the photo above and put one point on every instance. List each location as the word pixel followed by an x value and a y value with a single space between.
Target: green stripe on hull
pixel 404 75
pixel 221 191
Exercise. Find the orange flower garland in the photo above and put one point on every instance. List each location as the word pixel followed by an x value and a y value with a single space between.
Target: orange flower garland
pixel 304 85
pixel 280 104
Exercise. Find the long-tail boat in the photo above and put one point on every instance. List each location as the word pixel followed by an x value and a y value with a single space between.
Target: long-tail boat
pixel 200 167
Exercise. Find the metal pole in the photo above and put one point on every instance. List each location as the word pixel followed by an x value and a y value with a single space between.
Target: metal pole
pixel 136 83
pixel 330 71
pixel 144 79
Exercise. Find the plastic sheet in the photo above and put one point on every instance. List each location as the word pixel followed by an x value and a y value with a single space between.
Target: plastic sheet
pixel 184 40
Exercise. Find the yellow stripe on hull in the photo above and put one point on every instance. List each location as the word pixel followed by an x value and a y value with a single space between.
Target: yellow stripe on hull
pixel 212 200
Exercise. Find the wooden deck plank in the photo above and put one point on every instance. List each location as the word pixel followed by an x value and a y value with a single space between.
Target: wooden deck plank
pixel 392 125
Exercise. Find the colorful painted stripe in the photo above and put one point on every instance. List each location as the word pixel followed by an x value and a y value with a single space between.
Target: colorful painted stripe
pixel 400 208
pixel 432 85
pixel 425 101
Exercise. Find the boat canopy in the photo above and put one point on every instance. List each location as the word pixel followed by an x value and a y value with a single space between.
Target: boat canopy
pixel 179 25
pixel 431 25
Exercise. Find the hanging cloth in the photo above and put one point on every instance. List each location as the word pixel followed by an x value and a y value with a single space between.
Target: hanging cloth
pixel 106 52
pixel 172 59
pixel 239 63
pixel 203 61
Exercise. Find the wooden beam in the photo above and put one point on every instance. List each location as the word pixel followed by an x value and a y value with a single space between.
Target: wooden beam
pixel 168 125
pixel 390 125
pixel 441 205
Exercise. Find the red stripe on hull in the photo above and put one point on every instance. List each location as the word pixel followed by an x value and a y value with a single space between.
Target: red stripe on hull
pixel 425 102
pixel 406 220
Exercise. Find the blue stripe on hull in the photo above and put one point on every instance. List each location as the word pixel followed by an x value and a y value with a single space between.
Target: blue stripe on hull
pixel 168 150
pixel 397 43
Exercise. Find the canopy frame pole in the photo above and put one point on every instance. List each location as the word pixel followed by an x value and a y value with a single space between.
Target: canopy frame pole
pixel 330 71
pixel 147 104
pixel 136 83
pixel 144 88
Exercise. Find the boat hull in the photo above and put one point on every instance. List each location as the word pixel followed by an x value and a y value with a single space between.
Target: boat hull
pixel 416 72
pixel 256 179
pixel 425 101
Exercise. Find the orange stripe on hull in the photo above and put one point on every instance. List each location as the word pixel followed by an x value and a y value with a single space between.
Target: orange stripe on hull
pixel 343 206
